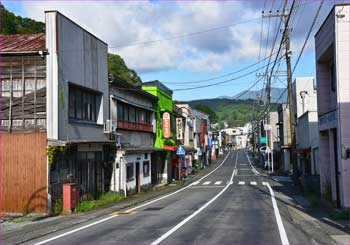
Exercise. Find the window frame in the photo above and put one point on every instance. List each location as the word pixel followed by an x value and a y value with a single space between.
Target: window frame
pixel 132 166
pixel 83 104
pixel 146 163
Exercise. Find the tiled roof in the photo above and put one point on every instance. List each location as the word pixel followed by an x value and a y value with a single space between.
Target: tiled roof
pixel 22 43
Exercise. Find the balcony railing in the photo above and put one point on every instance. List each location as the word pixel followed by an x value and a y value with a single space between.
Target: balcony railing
pixel 135 126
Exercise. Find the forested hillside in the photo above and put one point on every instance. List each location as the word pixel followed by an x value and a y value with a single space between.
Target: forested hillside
pixel 233 112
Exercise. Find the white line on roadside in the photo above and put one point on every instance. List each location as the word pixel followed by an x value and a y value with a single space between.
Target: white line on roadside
pixel 241 183
pixel 195 183
pixel 218 183
pixel 75 230
pixel 253 183
pixel 206 183
pixel 254 169
pixel 183 222
pixel 281 229
pixel 135 208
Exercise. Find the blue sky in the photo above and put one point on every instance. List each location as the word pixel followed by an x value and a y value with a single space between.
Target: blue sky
pixel 231 46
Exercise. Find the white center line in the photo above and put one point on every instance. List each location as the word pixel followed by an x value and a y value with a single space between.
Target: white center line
pixel 281 229
pixel 218 183
pixel 241 183
pixel 206 183
pixel 253 183
pixel 179 225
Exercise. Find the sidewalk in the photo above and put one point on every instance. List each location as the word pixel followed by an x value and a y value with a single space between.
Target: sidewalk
pixel 312 215
pixel 25 231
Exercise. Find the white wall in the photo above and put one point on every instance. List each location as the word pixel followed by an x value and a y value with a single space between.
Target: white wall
pixel 77 57
pixel 119 175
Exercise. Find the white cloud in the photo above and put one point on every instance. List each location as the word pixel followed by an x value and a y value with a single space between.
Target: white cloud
pixel 122 23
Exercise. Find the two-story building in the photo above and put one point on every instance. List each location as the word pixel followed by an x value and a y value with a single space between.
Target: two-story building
pixel 164 138
pixel 333 102
pixel 306 131
pixel 54 102
pixel 133 128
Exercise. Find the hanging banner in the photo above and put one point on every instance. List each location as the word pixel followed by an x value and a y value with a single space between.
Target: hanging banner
pixel 179 128
pixel 166 125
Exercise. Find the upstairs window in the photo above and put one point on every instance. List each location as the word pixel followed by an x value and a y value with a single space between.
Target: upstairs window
pixel 83 104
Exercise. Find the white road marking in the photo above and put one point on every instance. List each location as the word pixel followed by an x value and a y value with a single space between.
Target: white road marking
pixel 282 231
pixel 243 164
pixel 75 230
pixel 206 186
pixel 135 208
pixel 218 183
pixel 254 169
pixel 253 183
pixel 179 225
pixel 206 183
pixel 195 183
pixel 245 169
pixel 241 183
pixel 245 175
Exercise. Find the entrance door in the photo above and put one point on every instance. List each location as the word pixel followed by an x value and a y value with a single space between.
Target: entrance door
pixel 335 143
pixel 138 187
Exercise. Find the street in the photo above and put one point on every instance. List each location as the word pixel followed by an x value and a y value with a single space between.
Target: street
pixel 230 205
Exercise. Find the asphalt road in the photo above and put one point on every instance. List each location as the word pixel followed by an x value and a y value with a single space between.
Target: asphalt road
pixel 234 204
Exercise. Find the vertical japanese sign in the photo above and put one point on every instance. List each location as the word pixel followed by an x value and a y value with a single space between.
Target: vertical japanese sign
pixel 166 125
pixel 179 128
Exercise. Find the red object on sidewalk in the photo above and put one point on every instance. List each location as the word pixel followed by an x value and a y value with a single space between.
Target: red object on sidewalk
pixel 70 196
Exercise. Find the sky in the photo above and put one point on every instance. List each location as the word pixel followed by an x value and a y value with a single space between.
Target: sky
pixel 188 44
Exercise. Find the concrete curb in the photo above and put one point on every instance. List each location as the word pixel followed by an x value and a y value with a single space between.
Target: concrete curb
pixel 77 219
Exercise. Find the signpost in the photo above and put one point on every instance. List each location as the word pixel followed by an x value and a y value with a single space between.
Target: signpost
pixel 180 151
pixel 179 128
pixel 166 125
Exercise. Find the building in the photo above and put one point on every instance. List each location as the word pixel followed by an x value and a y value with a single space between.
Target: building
pixel 333 102
pixel 133 129
pixel 164 138
pixel 54 92
pixel 201 124
pixel 185 138
pixel 306 131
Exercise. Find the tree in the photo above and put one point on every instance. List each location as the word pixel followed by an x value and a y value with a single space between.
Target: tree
pixel 118 68
pixel 205 109
pixel 12 24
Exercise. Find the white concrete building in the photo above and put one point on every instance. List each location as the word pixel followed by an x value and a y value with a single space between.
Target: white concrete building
pixel 333 98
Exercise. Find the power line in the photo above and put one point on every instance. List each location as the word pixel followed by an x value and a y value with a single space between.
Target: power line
pixel 221 76
pixel 184 35
pixel 308 35
pixel 222 82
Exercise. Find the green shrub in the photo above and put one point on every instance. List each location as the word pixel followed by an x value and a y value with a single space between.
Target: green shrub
pixel 57 206
pixel 103 199
pixel 342 215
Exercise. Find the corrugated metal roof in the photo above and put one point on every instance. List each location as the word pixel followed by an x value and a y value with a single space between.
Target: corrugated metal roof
pixel 22 43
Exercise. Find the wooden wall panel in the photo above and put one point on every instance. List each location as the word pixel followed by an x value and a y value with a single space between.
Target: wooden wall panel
pixel 23 172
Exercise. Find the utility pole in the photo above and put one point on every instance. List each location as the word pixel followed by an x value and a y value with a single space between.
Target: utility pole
pixel 286 41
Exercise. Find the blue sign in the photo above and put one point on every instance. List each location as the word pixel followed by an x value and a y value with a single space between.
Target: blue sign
pixel 180 150
pixel 210 142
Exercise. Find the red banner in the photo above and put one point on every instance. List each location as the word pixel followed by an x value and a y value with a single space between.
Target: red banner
pixel 166 125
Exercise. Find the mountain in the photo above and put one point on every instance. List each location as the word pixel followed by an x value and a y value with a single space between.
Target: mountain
pixel 276 93
pixel 233 112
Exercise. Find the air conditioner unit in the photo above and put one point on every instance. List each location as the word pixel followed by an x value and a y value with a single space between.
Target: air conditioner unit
pixel 109 127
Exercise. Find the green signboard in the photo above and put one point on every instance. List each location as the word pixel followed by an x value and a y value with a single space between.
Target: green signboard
pixel 262 140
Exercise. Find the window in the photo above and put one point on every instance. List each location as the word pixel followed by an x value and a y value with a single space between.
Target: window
pixel 333 78
pixel 83 104
pixel 145 168
pixel 130 171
